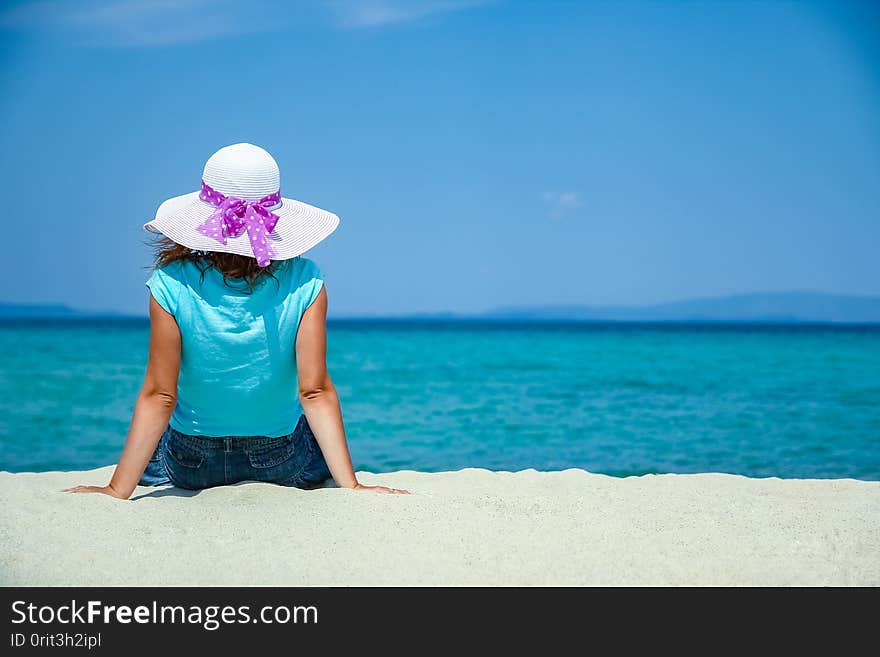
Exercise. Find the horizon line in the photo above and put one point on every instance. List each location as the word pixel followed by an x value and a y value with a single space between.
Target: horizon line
pixel 510 312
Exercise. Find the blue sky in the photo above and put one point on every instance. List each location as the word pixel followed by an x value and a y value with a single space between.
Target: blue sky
pixel 480 154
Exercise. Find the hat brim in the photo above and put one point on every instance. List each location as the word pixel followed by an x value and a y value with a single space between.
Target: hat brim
pixel 300 227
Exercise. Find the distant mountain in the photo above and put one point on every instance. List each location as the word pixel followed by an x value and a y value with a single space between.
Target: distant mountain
pixel 48 311
pixel 26 310
pixel 776 307
pixel 765 307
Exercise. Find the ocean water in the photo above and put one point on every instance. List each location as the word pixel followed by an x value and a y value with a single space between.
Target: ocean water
pixel 798 401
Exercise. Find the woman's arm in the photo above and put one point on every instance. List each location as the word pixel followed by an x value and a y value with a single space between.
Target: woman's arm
pixel 319 399
pixel 153 408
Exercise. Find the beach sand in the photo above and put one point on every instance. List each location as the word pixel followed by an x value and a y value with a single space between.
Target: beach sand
pixel 471 527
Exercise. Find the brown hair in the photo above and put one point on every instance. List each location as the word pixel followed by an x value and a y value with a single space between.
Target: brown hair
pixel 231 265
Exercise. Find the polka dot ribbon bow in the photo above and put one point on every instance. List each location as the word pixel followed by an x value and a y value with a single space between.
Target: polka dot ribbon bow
pixel 235 215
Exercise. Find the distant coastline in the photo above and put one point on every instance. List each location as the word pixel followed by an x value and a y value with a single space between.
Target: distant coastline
pixel 780 308
pixel 55 311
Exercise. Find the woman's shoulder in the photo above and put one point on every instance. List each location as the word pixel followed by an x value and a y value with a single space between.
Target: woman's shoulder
pixel 306 279
pixel 186 273
pixel 173 276
pixel 165 284
pixel 174 270
pixel 303 269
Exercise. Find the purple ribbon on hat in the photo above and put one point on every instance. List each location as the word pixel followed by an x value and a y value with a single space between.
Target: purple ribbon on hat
pixel 235 215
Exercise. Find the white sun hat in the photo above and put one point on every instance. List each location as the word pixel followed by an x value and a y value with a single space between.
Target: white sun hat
pixel 240 210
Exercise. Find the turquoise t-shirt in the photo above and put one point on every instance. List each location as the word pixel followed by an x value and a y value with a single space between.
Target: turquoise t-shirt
pixel 238 360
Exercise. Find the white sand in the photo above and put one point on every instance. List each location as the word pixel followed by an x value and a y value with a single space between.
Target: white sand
pixel 466 527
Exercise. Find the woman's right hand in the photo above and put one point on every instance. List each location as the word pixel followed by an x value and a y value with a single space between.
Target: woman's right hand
pixel 382 489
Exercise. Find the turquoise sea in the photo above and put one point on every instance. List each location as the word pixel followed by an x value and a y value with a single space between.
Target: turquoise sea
pixel 621 399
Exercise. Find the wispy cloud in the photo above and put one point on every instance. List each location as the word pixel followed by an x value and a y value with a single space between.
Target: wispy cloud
pixel 360 14
pixel 149 23
pixel 135 23
pixel 154 23
pixel 562 203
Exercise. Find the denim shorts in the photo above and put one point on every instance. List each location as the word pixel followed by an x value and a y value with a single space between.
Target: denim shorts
pixel 196 462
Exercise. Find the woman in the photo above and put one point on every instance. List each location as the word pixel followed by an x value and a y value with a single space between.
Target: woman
pixel 236 387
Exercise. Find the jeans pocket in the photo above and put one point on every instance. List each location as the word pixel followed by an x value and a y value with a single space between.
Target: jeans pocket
pixel 184 451
pixel 273 453
pixel 314 470
pixel 155 473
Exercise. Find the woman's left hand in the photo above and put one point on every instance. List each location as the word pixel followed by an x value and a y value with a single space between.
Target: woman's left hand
pixel 107 490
